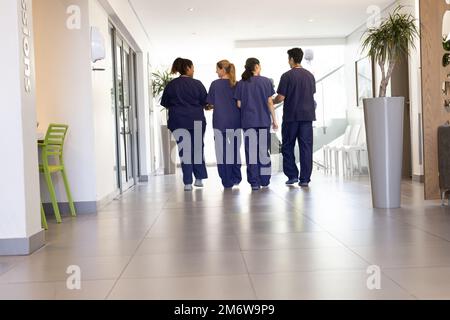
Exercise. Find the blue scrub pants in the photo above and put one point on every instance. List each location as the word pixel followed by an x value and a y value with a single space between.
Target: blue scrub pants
pixel 228 153
pixel 257 153
pixel 301 131
pixel 189 167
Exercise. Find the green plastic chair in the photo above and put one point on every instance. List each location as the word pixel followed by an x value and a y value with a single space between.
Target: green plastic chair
pixel 43 218
pixel 53 147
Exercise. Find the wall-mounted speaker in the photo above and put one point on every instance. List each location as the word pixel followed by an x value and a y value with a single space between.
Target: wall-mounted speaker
pixel 98 51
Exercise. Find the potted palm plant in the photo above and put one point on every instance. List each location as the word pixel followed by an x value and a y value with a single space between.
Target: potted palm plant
pixel 160 80
pixel 386 45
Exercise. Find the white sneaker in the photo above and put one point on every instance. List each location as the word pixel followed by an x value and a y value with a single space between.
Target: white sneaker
pixel 198 183
pixel 188 187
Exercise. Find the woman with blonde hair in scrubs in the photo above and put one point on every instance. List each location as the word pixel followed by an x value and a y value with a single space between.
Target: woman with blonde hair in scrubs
pixel 226 124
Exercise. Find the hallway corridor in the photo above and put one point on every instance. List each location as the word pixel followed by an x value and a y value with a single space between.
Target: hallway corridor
pixel 158 242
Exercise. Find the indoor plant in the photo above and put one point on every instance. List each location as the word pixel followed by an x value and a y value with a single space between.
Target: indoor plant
pixel 386 45
pixel 160 80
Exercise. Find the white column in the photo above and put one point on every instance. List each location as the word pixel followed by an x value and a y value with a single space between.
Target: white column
pixel 20 223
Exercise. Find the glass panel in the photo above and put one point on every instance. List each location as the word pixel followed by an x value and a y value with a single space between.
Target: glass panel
pixel 126 79
pixel 122 116
pixel 113 110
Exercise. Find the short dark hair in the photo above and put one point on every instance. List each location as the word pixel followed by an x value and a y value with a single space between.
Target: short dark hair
pixel 296 54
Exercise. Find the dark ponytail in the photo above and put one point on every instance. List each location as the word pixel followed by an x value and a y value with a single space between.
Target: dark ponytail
pixel 250 67
pixel 181 66
pixel 176 67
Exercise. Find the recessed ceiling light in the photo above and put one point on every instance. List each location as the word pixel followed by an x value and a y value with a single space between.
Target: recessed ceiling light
pixel 191 9
pixel 311 20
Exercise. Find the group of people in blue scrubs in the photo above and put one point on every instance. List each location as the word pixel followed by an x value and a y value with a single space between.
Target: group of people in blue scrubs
pixel 242 111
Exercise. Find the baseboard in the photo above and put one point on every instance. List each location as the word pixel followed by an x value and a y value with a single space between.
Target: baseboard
pixel 108 199
pixel 23 246
pixel 87 207
pixel 418 178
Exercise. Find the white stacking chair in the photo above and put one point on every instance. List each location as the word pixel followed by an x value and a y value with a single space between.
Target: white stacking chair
pixel 350 142
pixel 334 148
pixel 349 153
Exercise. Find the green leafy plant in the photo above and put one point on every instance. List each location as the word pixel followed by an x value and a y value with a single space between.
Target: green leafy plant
pixel 389 42
pixel 160 81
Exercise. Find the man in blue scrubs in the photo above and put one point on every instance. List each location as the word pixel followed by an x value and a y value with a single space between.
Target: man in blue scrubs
pixel 297 88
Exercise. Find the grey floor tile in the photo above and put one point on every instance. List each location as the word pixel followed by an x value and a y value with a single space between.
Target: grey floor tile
pixel 254 242
pixel 329 285
pixel 54 269
pixel 387 236
pixel 423 283
pixel 276 227
pixel 273 261
pixel 192 264
pixel 90 290
pixel 416 255
pixel 91 248
pixel 192 288
pixel 191 243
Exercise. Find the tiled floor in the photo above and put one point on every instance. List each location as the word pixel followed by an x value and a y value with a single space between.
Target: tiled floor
pixel 158 242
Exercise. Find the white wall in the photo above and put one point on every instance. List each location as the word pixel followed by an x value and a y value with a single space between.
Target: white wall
pixel 103 109
pixel 71 92
pixel 19 196
pixel 64 91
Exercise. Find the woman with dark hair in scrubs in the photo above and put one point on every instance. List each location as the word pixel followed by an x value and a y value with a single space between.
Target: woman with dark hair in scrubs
pixel 185 98
pixel 226 124
pixel 254 96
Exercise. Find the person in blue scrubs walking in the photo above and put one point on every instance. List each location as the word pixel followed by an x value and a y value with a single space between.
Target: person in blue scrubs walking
pixel 226 124
pixel 185 98
pixel 254 95
pixel 297 88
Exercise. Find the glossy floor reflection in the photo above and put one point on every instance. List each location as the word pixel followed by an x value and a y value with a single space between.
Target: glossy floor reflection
pixel 158 242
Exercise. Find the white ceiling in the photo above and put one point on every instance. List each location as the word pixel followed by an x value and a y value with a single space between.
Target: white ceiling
pixel 212 23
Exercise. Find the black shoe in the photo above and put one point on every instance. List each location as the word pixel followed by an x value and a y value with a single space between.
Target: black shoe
pixel 291 182
pixel 303 185
pixel 256 188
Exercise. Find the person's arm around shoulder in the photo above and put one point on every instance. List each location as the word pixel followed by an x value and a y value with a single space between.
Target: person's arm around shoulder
pixel 211 99
pixel 203 94
pixel 271 106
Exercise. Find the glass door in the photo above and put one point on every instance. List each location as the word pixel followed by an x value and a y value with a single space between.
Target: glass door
pixel 124 63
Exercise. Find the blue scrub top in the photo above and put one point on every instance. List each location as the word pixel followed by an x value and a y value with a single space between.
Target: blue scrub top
pixel 185 98
pixel 226 112
pixel 254 96
pixel 298 86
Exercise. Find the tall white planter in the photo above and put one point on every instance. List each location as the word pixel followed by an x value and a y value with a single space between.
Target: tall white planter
pixel 168 145
pixel 384 126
